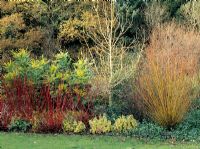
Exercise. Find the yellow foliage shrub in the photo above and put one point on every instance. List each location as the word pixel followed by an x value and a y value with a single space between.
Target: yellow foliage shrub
pixel 69 30
pixel 73 126
pixel 6 6
pixel 79 127
pixel 15 20
pixel 125 123
pixel 100 125
pixel 68 126
pixel 77 27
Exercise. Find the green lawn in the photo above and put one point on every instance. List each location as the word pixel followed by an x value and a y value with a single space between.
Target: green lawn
pixel 35 141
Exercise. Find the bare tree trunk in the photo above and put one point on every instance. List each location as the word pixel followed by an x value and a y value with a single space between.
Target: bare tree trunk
pixel 112 60
pixel 110 55
pixel 110 98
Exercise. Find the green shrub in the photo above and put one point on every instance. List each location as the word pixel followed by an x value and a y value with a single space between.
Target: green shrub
pixel 19 66
pixel 114 111
pixel 100 125
pixel 63 61
pixel 189 129
pixel 82 73
pixel 24 66
pixel 59 70
pixel 41 71
pixel 123 103
pixel 19 125
pixel 125 124
pixel 149 130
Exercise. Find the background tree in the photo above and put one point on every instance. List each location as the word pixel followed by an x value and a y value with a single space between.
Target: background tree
pixel 113 61
pixel 18 28
pixel 189 14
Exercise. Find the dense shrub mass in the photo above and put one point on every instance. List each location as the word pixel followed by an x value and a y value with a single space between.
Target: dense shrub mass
pixel 188 130
pixel 39 90
pixel 149 130
pixel 100 125
pixel 19 125
pixel 125 124
pixel 111 67
pixel 73 126
pixel 166 84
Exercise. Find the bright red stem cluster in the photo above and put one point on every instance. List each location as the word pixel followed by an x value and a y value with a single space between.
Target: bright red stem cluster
pixel 23 99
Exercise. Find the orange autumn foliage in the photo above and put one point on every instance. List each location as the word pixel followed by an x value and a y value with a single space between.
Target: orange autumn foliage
pixel 165 85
